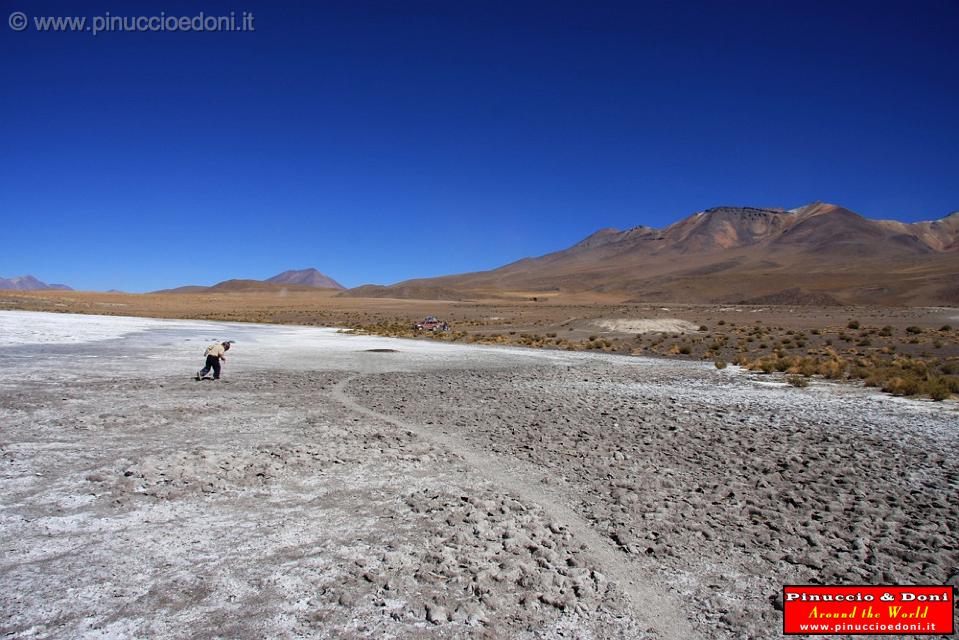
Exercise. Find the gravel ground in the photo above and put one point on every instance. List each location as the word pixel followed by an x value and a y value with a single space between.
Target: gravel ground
pixel 725 487
pixel 325 490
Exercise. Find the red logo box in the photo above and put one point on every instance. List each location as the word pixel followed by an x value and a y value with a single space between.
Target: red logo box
pixel 869 610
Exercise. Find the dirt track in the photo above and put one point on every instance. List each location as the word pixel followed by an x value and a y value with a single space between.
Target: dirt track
pixel 323 490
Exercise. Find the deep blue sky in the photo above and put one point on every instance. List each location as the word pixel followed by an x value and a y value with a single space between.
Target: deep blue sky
pixel 380 141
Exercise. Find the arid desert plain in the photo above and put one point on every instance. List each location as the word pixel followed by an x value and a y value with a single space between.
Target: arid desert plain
pixel 336 485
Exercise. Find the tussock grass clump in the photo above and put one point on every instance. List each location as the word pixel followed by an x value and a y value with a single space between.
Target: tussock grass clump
pixel 798 381
pixel 938 390
pixel 907 377
pixel 901 376
pixel 900 386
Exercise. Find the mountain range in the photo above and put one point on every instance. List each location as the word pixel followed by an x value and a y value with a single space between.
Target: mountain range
pixel 817 254
pixel 295 279
pixel 29 283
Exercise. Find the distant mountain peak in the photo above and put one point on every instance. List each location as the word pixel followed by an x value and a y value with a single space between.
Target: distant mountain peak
pixel 819 207
pixel 599 237
pixel 307 277
pixel 30 283
pixel 735 209
pixel 299 279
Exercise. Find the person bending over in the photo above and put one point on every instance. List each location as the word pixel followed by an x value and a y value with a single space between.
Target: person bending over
pixel 215 353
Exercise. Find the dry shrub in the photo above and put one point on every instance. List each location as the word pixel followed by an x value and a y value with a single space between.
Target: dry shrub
pixel 809 367
pixel 831 369
pixel 937 389
pixel 900 386
pixel 798 381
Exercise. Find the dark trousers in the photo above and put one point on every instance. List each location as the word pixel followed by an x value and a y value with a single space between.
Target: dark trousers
pixel 212 362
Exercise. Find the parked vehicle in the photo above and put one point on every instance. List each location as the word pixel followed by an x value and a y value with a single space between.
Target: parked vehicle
pixel 431 323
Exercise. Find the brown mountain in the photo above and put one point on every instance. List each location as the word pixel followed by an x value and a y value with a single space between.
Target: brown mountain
pixel 305 280
pixel 817 254
pixel 29 283
pixel 306 277
pixel 237 285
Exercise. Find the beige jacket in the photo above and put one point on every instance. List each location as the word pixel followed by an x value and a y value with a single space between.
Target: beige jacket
pixel 216 350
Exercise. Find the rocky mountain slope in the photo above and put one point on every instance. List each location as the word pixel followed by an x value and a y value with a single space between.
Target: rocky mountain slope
pixel 307 277
pixel 816 254
pixel 29 283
